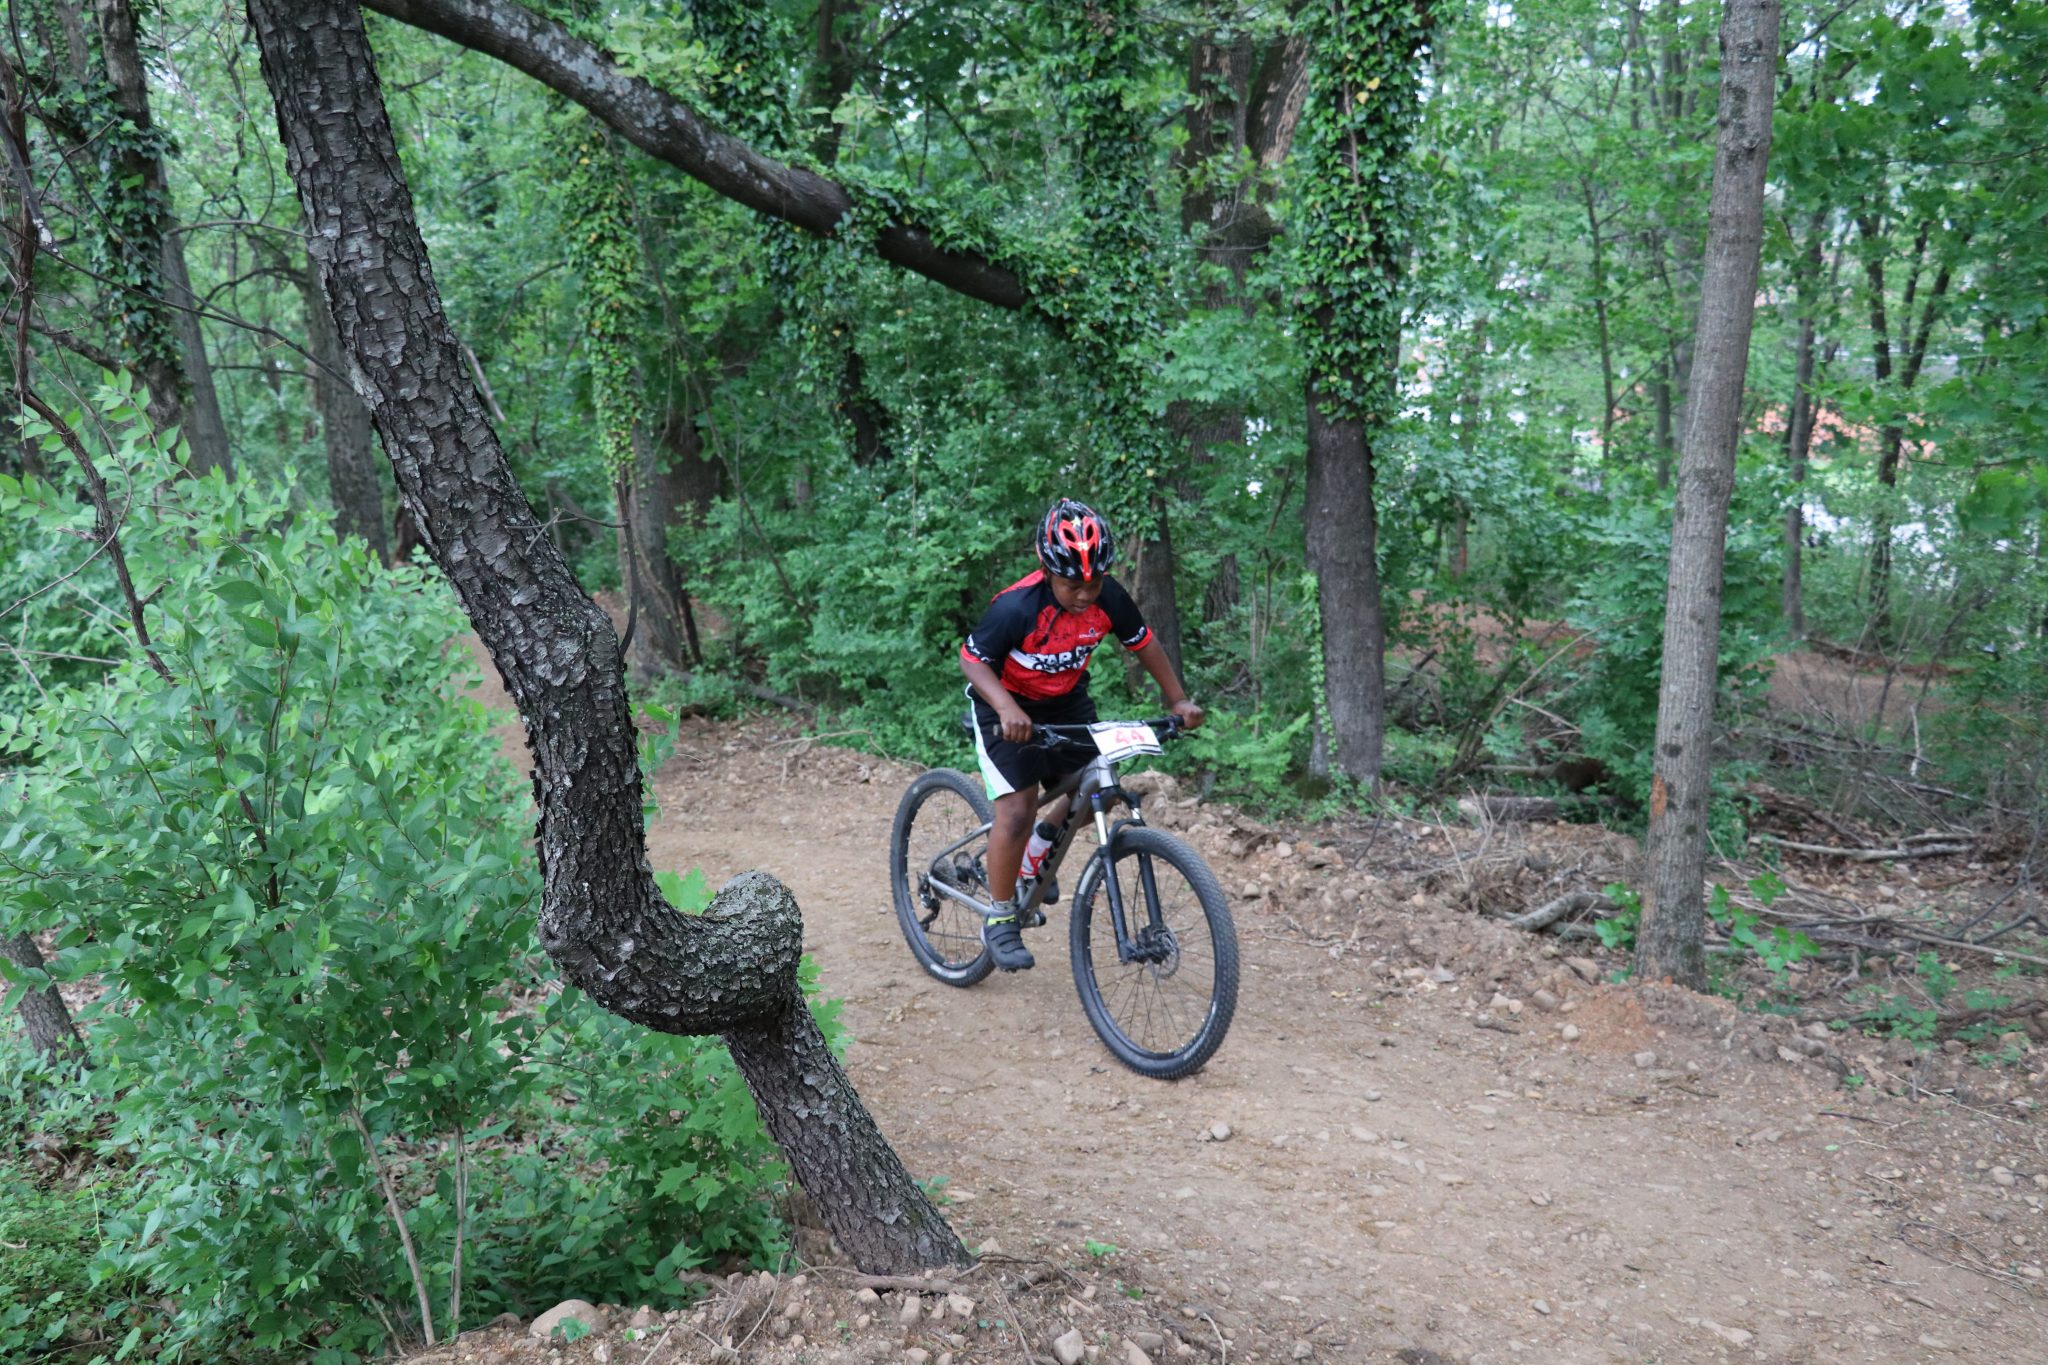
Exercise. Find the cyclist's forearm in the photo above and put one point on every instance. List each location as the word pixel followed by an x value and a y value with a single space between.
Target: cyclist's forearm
pixel 988 686
pixel 1153 655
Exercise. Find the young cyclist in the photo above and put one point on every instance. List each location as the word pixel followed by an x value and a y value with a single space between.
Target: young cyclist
pixel 1027 664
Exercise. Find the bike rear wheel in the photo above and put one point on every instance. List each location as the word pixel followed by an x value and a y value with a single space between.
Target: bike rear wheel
pixel 1164 1013
pixel 938 810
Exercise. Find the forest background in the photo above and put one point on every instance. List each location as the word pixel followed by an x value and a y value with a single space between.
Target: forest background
pixel 802 467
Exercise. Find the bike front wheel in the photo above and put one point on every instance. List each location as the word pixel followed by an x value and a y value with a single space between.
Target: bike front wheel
pixel 1163 999
pixel 941 835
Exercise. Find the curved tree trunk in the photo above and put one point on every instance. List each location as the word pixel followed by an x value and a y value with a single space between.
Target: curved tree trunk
pixel 731 970
pixel 1671 940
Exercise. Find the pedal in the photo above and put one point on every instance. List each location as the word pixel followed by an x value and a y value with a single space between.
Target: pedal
pixel 1033 920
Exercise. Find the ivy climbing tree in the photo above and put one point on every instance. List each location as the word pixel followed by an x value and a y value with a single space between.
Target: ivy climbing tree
pixel 1363 105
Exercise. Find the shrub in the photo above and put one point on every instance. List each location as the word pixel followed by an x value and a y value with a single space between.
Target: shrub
pixel 298 871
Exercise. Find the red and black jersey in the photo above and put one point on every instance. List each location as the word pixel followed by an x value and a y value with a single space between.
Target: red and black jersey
pixel 1041 652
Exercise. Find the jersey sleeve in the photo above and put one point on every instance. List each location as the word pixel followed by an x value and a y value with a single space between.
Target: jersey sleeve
pixel 1124 617
pixel 1001 629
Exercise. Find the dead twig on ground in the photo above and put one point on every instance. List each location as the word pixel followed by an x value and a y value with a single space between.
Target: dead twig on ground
pixel 1913 846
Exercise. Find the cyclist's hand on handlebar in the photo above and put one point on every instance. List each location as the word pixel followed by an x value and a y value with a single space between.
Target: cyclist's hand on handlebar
pixel 1016 726
pixel 1188 714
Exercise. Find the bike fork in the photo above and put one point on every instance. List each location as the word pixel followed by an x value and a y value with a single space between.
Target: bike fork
pixel 1126 947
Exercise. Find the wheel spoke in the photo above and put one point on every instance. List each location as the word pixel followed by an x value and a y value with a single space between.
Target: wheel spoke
pixel 945 933
pixel 1165 1013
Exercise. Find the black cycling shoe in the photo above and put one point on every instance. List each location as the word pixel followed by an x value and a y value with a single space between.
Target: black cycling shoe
pixel 1006 945
pixel 1052 892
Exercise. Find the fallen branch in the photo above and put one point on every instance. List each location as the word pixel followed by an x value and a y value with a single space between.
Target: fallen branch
pixel 1527 809
pixel 1549 913
pixel 1906 849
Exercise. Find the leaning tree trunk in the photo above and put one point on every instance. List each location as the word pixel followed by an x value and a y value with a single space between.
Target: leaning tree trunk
pixel 163 334
pixel 352 483
pixel 731 970
pixel 43 1013
pixel 1671 939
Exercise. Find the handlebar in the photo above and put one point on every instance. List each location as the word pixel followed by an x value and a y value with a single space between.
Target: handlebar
pixel 1056 736
pixel 1166 727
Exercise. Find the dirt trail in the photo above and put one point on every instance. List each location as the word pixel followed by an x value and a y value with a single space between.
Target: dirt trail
pixel 1398 1175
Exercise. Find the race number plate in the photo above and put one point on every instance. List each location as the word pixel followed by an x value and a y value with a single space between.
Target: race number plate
pixel 1119 742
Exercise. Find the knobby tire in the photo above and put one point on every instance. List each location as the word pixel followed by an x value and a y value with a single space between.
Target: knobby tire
pixel 944 960
pixel 1170 858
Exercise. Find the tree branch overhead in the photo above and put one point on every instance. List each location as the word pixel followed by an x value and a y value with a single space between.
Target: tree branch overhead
pixel 669 130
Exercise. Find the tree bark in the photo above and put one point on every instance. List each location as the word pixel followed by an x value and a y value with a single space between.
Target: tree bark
pixel 345 428
pixel 731 970
pixel 178 376
pixel 1153 584
pixel 1892 439
pixel 1242 106
pixel 1342 532
pixel 1671 939
pixel 665 487
pixel 1600 316
pixel 43 1014
pixel 1799 423
pixel 1798 440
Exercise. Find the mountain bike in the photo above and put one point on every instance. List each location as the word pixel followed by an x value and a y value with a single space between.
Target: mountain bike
pixel 1153 948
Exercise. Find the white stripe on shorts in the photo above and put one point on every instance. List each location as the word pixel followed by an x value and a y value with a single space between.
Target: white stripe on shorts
pixel 992 779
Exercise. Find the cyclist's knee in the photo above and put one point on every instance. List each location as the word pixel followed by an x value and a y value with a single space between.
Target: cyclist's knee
pixel 1013 812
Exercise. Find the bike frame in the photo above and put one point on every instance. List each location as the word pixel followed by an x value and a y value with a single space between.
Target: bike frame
pixel 1094 786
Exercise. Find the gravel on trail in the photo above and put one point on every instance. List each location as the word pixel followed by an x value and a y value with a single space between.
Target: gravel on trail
pixel 1391 1158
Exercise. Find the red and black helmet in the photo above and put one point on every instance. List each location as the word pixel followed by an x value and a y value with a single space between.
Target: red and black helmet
pixel 1074 541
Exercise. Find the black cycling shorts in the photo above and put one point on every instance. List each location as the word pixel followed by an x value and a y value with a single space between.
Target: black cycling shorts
pixel 1007 767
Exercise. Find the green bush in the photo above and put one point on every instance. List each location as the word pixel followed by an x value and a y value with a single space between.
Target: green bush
pixel 299 871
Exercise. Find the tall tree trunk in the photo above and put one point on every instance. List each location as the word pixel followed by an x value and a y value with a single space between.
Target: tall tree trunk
pixel 1243 108
pixel 206 433
pixel 1798 440
pixel 1666 441
pixel 1671 939
pixel 1892 439
pixel 1365 101
pixel 731 970
pixel 867 420
pixel 1468 439
pixel 345 428
pixel 1342 554
pixel 43 1014
pixel 169 349
pixel 664 488
pixel 1153 584
pixel 1800 422
pixel 1600 317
